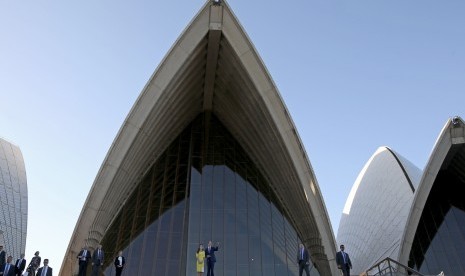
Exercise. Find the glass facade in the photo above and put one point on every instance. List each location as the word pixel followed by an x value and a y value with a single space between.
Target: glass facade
pixel 204 187
pixel 439 243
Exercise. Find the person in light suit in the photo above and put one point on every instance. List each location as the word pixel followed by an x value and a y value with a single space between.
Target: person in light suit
pixel 20 265
pixel 120 261
pixel 84 257
pixel 8 268
pixel 200 260
pixel 45 270
pixel 343 261
pixel 211 258
pixel 303 259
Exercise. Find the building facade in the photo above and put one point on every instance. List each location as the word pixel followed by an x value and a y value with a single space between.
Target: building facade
pixel 376 211
pixel 13 198
pixel 418 222
pixel 434 237
pixel 194 194
pixel 208 152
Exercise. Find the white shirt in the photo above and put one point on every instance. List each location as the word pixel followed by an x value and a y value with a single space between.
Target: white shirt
pixel 19 262
pixel 84 255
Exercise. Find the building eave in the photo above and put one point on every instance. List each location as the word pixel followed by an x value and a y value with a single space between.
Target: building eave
pixel 212 67
pixel 451 138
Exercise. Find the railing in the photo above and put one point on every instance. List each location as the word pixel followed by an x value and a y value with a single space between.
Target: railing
pixel 390 267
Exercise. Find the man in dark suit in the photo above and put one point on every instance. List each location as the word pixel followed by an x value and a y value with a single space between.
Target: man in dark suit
pixel 45 270
pixel 343 261
pixel 8 269
pixel 84 257
pixel 119 263
pixel 303 260
pixel 2 256
pixel 211 259
pixel 20 265
pixel 97 260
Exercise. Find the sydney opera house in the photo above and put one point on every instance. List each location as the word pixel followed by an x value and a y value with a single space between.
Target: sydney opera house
pixel 208 152
pixel 416 218
pixel 14 199
pixel 387 182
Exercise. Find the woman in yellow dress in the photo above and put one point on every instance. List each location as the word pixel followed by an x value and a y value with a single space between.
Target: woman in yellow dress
pixel 200 255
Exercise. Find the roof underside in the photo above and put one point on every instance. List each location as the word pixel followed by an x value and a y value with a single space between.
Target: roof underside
pixel 211 68
pixel 448 154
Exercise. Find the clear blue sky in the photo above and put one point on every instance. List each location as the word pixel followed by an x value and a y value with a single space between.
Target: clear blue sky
pixel 355 75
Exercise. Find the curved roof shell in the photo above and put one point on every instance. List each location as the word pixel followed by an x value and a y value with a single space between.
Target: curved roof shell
pixel 377 208
pixel 448 154
pixel 212 67
pixel 13 199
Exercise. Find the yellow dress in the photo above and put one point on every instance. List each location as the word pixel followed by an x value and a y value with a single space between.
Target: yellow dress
pixel 200 260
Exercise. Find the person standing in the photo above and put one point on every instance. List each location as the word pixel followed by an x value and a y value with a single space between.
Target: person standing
pixel 343 261
pixel 45 270
pixel 2 256
pixel 34 264
pixel 8 268
pixel 97 260
pixel 119 263
pixel 200 256
pixel 303 259
pixel 84 257
pixel 211 259
pixel 20 265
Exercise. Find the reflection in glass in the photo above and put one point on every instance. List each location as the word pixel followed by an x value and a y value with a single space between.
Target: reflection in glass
pixel 194 193
pixel 440 238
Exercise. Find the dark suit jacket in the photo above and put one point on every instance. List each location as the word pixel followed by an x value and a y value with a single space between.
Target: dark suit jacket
pixel 95 258
pixel 11 270
pixel 340 259
pixel 306 258
pixel 20 266
pixel 49 271
pixel 2 258
pixel 81 254
pixel 117 263
pixel 211 253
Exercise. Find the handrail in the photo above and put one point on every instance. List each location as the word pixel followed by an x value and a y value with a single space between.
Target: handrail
pixel 390 269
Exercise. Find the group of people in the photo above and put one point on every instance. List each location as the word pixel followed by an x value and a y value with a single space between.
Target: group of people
pixel 206 255
pixel 8 268
pixel 342 260
pixel 96 258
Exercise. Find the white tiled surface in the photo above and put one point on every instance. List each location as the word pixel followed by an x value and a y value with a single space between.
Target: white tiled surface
pixel 372 229
pixel 13 199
